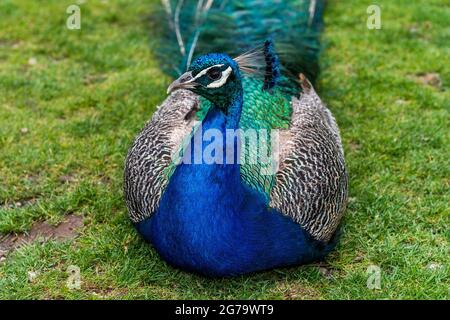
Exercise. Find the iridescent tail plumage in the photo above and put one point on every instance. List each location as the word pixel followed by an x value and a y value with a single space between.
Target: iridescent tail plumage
pixel 193 27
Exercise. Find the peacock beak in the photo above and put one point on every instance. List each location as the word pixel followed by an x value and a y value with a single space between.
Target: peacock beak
pixel 185 81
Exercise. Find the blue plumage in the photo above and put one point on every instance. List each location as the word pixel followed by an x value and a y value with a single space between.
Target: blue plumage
pixel 225 227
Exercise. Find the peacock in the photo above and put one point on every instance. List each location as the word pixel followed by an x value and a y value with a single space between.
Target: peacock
pixel 241 168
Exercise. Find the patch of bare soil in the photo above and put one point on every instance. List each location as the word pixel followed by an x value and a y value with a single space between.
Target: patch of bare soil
pixel 430 79
pixel 41 231
pixel 296 291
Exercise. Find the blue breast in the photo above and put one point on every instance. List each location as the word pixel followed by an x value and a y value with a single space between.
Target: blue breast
pixel 209 222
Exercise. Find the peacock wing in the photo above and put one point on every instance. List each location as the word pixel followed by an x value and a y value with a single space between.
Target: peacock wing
pixel 311 183
pixel 151 160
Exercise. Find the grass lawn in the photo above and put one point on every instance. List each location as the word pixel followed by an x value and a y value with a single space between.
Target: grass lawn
pixel 71 102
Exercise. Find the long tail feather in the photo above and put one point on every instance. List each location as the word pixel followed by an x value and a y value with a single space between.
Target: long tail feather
pixel 188 28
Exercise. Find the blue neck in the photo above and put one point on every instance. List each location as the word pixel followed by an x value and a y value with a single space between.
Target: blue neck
pixel 234 109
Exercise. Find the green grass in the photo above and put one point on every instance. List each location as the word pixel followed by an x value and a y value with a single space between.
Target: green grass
pixel 90 91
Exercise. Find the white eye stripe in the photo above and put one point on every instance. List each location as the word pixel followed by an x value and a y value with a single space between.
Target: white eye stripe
pixel 204 71
pixel 218 83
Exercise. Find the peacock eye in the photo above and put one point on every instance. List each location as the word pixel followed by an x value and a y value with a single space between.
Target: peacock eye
pixel 214 74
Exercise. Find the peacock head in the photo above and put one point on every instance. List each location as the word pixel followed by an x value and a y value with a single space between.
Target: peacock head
pixel 213 76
